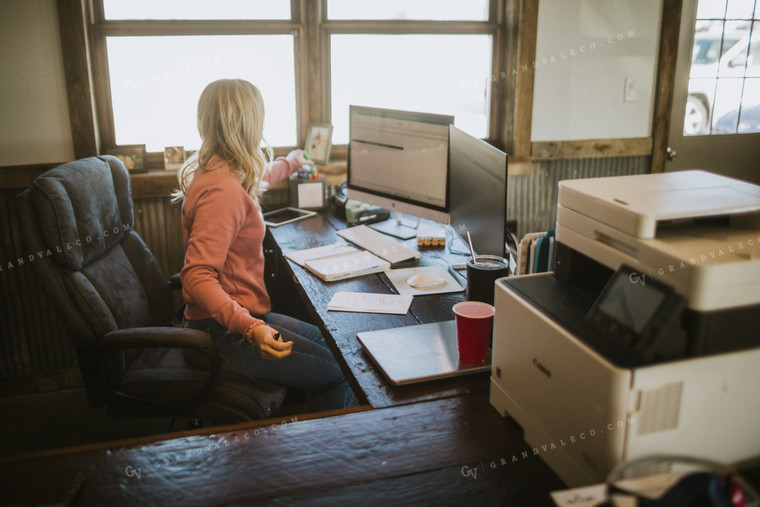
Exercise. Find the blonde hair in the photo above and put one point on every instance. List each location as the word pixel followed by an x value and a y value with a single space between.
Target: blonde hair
pixel 231 124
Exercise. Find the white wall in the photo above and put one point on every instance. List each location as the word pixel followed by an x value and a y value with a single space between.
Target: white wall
pixel 34 114
pixel 585 51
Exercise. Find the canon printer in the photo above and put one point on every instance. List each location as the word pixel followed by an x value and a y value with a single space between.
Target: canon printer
pixel 645 340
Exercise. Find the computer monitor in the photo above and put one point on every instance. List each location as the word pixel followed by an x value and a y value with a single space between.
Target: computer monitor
pixel 399 160
pixel 478 201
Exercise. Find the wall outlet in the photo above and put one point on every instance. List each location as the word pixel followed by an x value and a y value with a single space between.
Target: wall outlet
pixel 631 90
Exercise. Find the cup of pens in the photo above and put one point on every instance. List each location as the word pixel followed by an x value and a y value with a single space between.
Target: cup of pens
pixel 307 188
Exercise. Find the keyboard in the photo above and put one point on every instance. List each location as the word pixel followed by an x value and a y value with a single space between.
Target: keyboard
pixel 379 244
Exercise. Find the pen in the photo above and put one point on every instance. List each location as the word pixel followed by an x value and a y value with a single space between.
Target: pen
pixel 276 336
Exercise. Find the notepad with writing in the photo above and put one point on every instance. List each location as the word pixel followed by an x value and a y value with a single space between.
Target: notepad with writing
pixel 349 265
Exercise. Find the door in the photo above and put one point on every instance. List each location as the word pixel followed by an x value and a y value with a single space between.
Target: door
pixel 715 123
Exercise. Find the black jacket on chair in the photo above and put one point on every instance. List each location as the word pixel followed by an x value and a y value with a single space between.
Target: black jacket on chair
pixel 117 305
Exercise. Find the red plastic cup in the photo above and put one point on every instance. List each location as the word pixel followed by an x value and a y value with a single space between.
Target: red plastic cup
pixel 474 322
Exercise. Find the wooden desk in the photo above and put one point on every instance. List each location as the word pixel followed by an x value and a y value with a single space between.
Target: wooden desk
pixel 436 443
pixel 456 451
pixel 340 328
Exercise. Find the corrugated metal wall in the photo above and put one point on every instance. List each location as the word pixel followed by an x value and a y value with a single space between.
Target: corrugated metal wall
pixel 159 223
pixel 532 198
pixel 33 338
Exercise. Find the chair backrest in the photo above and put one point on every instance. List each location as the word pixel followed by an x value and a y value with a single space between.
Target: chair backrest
pixel 100 276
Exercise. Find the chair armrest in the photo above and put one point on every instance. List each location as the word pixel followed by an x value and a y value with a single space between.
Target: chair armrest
pixel 175 282
pixel 167 337
pixel 163 337
pixel 141 337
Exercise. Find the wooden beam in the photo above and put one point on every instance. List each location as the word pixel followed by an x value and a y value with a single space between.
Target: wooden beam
pixel 313 79
pixel 594 148
pixel 396 26
pixel 40 382
pixel 144 185
pixel 72 21
pixel 21 176
pixel 523 74
pixel 153 184
pixel 498 74
pixel 193 27
pixel 666 78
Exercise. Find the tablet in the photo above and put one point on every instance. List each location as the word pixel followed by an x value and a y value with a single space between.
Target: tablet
pixel 284 216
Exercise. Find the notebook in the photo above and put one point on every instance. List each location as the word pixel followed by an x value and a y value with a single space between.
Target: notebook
pixel 411 354
pixel 347 265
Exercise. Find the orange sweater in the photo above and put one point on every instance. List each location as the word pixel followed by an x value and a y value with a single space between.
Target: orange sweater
pixel 223 273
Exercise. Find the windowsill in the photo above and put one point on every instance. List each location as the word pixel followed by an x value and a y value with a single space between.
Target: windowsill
pixel 161 183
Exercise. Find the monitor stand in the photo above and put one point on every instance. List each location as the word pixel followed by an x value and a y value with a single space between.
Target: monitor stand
pixel 396 227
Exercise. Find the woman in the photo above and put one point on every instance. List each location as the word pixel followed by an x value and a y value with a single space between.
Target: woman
pixel 223 274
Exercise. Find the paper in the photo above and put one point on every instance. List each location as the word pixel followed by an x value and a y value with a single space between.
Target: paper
pixel 366 302
pixel 310 195
pixel 301 256
pixel 651 487
pixel 398 278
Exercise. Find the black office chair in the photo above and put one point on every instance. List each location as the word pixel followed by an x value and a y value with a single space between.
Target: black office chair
pixel 118 306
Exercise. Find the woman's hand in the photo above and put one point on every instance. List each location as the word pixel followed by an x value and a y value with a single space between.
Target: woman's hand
pixel 269 346
pixel 300 157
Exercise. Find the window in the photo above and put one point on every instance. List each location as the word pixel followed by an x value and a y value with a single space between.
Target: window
pixel 431 56
pixel 154 101
pixel 156 57
pixel 724 79
pixel 433 73
pixel 310 60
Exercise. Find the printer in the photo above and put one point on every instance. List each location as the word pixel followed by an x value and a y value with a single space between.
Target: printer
pixel 645 340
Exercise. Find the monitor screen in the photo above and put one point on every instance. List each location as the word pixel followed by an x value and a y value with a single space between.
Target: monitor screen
pixel 399 160
pixel 478 201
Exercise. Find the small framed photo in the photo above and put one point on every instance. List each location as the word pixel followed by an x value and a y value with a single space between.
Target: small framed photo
pixel 174 157
pixel 132 155
pixel 319 142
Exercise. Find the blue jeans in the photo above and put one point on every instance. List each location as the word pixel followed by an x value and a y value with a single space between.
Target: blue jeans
pixel 310 364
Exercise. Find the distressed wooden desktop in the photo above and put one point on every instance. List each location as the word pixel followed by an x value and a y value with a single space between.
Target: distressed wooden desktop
pixel 455 451
pixel 435 443
pixel 340 328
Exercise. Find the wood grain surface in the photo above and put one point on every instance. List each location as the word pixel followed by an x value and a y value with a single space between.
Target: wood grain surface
pixel 457 451
pixel 340 328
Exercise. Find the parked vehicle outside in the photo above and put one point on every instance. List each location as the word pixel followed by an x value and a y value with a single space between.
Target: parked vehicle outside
pixel 717 84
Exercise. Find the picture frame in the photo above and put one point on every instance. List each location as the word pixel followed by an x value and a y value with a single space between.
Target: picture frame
pixel 319 142
pixel 174 157
pixel 131 155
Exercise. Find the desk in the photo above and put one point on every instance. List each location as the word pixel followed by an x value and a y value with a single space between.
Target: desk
pixel 436 443
pixel 340 328
pixel 456 451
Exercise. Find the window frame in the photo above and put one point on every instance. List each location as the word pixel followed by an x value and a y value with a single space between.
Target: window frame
pixel 100 29
pixel 312 31
pixel 513 24
pixel 493 26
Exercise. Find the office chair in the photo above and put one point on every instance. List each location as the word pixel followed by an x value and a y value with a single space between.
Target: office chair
pixel 118 306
